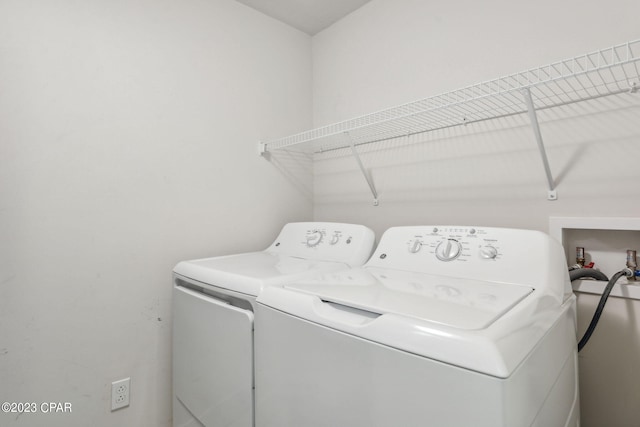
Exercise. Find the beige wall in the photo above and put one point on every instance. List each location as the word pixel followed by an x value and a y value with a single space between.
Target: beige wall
pixel 128 142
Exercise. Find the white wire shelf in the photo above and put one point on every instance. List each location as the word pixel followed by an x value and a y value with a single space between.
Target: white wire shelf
pixel 601 73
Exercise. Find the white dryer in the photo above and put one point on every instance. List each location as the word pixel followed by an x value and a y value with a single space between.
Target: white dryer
pixel 443 327
pixel 213 319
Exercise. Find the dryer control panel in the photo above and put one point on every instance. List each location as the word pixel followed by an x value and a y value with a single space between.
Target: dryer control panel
pixel 351 244
pixel 482 253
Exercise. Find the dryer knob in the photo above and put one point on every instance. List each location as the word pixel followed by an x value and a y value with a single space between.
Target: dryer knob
pixel 314 239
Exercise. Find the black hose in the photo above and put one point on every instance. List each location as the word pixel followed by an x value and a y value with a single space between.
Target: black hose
pixel 601 304
pixel 587 272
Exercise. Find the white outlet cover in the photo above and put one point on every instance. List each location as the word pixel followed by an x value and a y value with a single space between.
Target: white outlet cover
pixel 120 391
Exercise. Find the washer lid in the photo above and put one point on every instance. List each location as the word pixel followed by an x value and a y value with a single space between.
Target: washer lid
pixel 248 273
pixel 459 303
pixel 487 327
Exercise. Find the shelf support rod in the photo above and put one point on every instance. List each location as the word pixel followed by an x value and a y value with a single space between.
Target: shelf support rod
pixel 552 194
pixel 366 174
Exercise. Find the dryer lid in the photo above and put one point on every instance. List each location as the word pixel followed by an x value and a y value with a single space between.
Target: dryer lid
pixel 248 273
pixel 454 302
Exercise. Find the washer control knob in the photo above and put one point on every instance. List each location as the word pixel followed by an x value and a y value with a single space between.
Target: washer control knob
pixel 488 252
pixel 334 239
pixel 448 250
pixel 415 246
pixel 314 239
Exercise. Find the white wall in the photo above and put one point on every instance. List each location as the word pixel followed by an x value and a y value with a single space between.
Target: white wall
pixel 392 52
pixel 395 51
pixel 128 142
pixel 609 377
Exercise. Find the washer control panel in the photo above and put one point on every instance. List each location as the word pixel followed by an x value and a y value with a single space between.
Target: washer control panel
pixel 326 241
pixel 455 243
pixel 483 253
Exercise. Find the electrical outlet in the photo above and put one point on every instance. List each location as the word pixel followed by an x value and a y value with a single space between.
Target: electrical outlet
pixel 120 393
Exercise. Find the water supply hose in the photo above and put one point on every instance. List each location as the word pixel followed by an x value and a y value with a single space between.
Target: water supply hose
pixel 587 272
pixel 603 299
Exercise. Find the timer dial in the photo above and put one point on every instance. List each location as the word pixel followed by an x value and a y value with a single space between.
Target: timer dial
pixel 314 239
pixel 448 250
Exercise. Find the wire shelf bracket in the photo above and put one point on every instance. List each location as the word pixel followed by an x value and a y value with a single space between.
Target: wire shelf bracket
pixel 365 172
pixel 605 72
pixel 533 117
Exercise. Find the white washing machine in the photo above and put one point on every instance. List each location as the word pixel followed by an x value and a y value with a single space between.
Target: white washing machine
pixel 213 319
pixel 443 327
